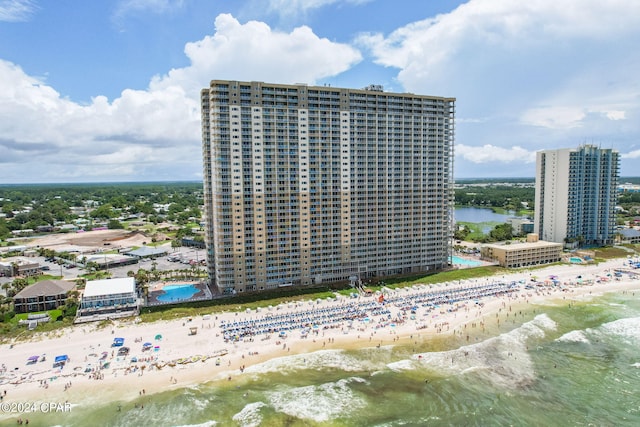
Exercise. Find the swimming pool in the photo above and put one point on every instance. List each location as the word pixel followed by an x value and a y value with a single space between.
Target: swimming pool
pixel 463 261
pixel 575 260
pixel 178 292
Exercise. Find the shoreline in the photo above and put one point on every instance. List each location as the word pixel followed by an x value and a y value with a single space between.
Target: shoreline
pixel 175 365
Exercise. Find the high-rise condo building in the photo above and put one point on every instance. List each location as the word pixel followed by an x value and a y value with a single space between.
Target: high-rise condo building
pixel 315 184
pixel 576 193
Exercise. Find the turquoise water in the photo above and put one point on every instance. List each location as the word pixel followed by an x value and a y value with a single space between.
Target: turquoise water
pixel 463 261
pixel 575 260
pixel 572 365
pixel 178 292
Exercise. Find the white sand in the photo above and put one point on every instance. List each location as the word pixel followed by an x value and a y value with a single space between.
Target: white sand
pixel 124 380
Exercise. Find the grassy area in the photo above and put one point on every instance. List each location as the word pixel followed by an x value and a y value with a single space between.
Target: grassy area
pixel 476 229
pixel 609 252
pixel 237 303
pixel 12 329
pixel 96 275
pixel 273 298
pixel 54 314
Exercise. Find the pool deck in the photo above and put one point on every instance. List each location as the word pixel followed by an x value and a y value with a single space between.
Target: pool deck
pixel 157 290
pixel 481 263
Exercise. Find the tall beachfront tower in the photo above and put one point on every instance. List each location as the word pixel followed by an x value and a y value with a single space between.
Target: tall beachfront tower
pixel 314 184
pixel 576 194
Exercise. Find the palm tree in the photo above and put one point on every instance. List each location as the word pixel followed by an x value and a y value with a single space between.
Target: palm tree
pixel 19 284
pixel 155 275
pixel 92 266
pixel 142 283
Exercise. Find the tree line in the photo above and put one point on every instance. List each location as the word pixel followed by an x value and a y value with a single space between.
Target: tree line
pixel 30 206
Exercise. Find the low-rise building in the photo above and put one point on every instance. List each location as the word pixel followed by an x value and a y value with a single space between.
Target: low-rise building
pixel 108 299
pixel 19 266
pixel 147 252
pixel 630 235
pixel 520 226
pixel 531 252
pixel 42 296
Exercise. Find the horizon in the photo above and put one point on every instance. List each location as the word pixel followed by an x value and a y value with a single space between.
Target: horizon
pixel 193 181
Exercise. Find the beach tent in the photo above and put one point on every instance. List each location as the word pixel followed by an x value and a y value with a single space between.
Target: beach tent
pixel 118 342
pixel 32 359
pixel 60 360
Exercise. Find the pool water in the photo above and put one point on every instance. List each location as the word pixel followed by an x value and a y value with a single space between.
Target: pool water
pixel 178 292
pixel 463 261
pixel 575 260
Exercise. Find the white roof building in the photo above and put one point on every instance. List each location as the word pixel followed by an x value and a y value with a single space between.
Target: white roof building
pixel 109 293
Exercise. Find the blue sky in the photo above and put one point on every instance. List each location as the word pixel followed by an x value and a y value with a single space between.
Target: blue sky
pixel 101 91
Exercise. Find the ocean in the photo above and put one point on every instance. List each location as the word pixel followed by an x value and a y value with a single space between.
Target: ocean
pixel 572 364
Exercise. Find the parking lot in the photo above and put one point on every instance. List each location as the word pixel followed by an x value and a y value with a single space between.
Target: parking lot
pixel 183 256
pixel 162 263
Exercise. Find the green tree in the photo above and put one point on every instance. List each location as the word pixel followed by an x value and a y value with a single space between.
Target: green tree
pixel 114 224
pixel 103 212
pixel 501 232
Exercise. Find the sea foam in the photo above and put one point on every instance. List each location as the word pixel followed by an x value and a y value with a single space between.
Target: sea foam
pixel 503 360
pixel 574 336
pixel 319 360
pixel 625 328
pixel 250 415
pixel 320 403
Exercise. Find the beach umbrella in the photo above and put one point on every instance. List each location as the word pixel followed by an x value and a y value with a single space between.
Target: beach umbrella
pixel 158 337
pixel 32 359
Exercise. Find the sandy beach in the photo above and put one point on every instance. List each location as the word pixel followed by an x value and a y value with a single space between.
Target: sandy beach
pixel 176 358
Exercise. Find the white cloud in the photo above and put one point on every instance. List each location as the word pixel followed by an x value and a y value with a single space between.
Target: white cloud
pixel 493 154
pixel 16 10
pixel 546 73
pixel 253 51
pixel 554 117
pixel 635 154
pixel 558 117
pixel 615 115
pixel 146 132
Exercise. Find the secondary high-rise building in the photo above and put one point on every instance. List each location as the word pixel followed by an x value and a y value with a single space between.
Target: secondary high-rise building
pixel 316 184
pixel 576 194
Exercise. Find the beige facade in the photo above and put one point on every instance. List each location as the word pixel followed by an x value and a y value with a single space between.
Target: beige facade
pixel 532 252
pixel 307 184
pixel 19 266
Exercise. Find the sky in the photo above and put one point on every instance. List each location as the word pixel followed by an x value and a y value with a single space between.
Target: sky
pixel 108 91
